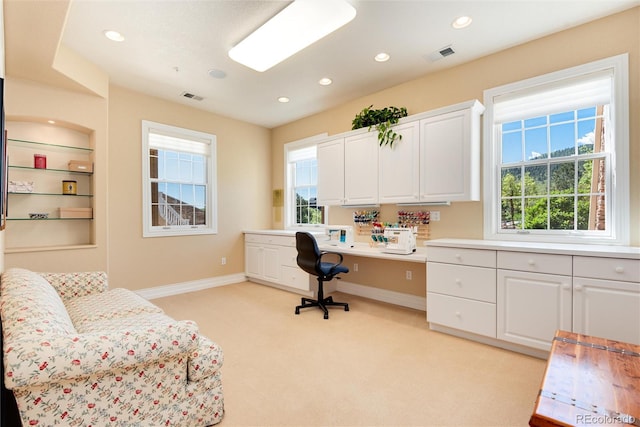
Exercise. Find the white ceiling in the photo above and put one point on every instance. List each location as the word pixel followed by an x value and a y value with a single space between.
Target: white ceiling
pixel 171 45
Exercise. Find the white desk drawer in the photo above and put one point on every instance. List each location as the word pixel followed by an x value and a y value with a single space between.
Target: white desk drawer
pixel 295 278
pixel 270 239
pixel 625 270
pixel 535 262
pixel 476 257
pixel 476 283
pixel 288 256
pixel 460 313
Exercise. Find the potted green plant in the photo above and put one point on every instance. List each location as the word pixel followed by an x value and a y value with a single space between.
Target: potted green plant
pixel 383 120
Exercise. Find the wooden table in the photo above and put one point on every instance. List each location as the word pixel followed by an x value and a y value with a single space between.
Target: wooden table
pixel 589 381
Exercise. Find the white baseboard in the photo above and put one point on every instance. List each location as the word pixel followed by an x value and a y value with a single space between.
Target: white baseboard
pixel 384 295
pixel 192 286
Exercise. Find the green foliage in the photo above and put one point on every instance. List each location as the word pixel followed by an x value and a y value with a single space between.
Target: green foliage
pixel 383 120
pixel 306 213
pixel 555 211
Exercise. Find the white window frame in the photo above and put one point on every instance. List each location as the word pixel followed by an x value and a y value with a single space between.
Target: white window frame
pixel 290 197
pixel 618 205
pixel 211 226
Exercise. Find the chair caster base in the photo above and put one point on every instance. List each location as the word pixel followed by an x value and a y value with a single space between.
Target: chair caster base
pixel 321 304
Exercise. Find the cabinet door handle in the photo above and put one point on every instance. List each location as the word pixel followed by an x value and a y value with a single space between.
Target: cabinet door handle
pixel 578 288
pixel 459 257
pixel 566 286
pixel 458 314
pixel 620 270
pixel 531 262
pixel 458 282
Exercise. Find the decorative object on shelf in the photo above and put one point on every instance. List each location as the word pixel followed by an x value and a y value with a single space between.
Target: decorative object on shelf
pixel 383 120
pixel 39 161
pixel 70 187
pixel 20 187
pixel 85 213
pixel 39 215
pixel 80 166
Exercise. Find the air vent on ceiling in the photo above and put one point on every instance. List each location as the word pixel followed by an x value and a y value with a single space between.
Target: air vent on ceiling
pixel 192 96
pixel 441 53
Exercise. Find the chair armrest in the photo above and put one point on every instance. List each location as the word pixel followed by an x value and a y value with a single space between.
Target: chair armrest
pixel 323 253
pixel 205 360
pixel 72 285
pixel 34 361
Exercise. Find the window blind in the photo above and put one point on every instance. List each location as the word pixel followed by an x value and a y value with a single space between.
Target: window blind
pixel 560 96
pixel 300 154
pixel 163 141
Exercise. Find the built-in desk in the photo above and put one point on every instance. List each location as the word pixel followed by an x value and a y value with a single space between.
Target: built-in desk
pixel 270 259
pixel 365 250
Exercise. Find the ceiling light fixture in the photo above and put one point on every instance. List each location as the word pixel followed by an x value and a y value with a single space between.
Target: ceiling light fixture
pixel 113 35
pixel 461 22
pixel 297 26
pixel 283 99
pixel 382 57
pixel 325 81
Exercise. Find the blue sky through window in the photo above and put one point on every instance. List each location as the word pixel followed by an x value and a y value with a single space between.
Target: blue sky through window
pixel 553 135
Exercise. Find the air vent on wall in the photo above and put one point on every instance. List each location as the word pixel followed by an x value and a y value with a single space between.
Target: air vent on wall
pixel 441 53
pixel 192 96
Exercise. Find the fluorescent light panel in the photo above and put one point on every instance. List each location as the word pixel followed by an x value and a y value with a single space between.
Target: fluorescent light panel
pixel 297 26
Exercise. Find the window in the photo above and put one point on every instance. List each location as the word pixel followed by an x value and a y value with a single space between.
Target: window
pixel 556 150
pixel 179 181
pixel 302 182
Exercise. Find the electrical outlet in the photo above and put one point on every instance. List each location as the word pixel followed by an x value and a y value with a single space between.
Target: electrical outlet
pixel 408 274
pixel 223 261
pixel 434 215
pixel 355 266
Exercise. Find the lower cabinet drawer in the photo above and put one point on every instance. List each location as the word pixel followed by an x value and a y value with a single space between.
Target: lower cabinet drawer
pixel 460 313
pixel 295 278
pixel 477 283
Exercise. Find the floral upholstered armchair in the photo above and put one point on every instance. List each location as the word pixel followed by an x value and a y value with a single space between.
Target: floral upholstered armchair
pixel 78 354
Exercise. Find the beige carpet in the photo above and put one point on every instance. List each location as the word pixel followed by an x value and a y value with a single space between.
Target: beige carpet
pixel 376 365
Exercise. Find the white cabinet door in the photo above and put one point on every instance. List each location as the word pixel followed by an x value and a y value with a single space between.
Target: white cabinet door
pixel 272 263
pixel 253 260
pixel 532 306
pixel 361 169
pixel 607 309
pixel 399 166
pixel 450 156
pixel 330 156
pixel 262 261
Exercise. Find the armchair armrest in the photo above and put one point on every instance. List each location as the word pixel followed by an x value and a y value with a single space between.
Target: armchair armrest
pixel 34 361
pixel 72 285
pixel 205 360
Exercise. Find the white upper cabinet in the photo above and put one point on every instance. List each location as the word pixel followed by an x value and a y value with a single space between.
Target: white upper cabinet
pixel 330 156
pixel 361 169
pixel 437 160
pixel 399 166
pixel 450 154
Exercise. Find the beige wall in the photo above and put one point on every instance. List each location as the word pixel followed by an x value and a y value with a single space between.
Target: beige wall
pixel 29 101
pixel 610 36
pixel 244 195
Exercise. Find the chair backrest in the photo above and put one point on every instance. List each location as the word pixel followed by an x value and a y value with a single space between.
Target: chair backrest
pixel 308 253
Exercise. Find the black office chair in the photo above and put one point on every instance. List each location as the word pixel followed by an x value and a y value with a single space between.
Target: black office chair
pixel 310 260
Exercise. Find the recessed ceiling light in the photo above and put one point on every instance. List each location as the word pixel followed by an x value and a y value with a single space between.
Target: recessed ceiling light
pixel 113 35
pixel 325 81
pixel 382 57
pixel 461 22
pixel 217 74
pixel 51 122
pixel 297 26
pixel 283 99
